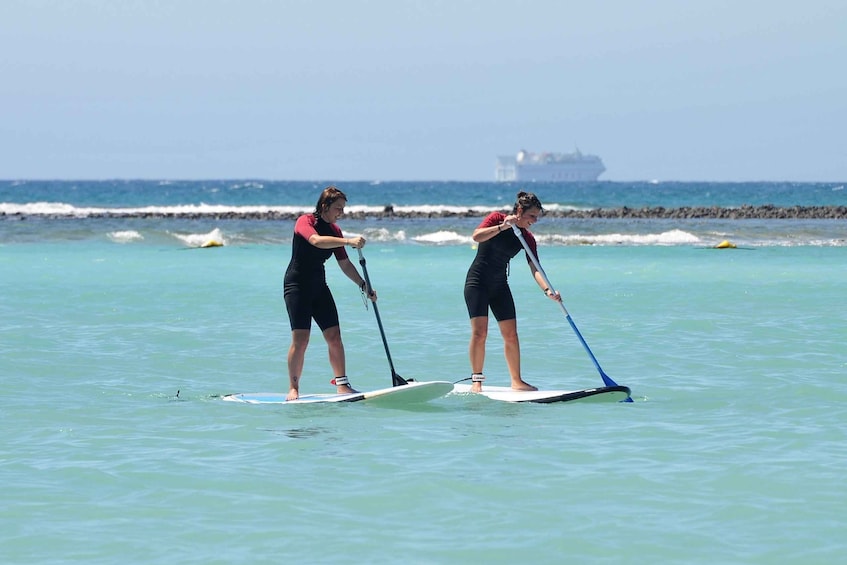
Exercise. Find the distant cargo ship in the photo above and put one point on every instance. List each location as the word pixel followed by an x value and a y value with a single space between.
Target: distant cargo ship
pixel 549 167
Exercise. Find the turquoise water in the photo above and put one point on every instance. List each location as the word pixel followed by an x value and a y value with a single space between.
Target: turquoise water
pixel 117 447
pixel 139 193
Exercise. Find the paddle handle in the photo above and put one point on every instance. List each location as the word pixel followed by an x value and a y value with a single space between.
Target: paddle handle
pixel 538 266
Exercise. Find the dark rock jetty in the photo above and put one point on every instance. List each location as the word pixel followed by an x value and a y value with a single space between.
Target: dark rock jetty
pixel 745 212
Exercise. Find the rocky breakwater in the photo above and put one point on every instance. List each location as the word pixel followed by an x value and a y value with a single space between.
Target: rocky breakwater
pixel 745 212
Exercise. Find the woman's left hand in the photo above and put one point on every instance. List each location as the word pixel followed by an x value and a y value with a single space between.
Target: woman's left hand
pixel 371 296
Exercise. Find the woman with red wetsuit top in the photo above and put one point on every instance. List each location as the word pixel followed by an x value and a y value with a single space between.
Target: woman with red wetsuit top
pixel 307 296
pixel 487 285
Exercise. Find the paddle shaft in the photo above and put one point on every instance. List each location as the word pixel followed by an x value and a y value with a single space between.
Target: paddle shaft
pixel 607 380
pixel 396 380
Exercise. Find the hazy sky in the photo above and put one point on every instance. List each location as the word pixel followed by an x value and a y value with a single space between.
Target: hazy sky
pixel 421 90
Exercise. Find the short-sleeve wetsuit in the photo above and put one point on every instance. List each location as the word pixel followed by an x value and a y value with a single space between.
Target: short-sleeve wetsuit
pixel 306 293
pixel 486 284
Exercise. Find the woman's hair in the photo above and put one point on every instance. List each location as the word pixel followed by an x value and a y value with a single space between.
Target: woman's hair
pixel 329 195
pixel 525 201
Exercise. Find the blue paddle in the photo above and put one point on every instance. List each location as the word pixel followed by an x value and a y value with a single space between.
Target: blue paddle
pixel 607 380
pixel 396 380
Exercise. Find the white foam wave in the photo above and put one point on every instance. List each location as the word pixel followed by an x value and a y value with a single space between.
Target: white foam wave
pixel 835 242
pixel 441 208
pixel 443 237
pixel 214 238
pixel 553 207
pixel 127 236
pixel 63 209
pixel 384 235
pixel 39 208
pixel 672 237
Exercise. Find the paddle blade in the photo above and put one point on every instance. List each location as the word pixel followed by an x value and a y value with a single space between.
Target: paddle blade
pixel 607 380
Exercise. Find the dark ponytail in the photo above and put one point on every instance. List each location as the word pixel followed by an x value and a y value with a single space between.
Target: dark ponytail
pixel 525 201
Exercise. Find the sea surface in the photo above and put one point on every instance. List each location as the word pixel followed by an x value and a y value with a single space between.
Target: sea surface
pixel 119 335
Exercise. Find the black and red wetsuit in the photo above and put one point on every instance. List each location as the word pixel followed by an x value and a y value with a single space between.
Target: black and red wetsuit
pixel 486 284
pixel 306 293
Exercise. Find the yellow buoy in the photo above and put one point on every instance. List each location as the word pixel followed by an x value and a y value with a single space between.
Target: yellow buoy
pixel 725 244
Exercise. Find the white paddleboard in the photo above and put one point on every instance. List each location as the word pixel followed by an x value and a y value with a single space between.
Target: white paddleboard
pixel 279 398
pixel 507 394
pixel 411 393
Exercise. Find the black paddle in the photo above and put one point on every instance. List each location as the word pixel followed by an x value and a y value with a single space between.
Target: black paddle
pixel 607 380
pixel 396 380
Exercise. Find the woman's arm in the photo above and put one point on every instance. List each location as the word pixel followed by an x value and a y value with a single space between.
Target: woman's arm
pixel 484 233
pixel 305 228
pixel 331 241
pixel 539 280
pixel 349 269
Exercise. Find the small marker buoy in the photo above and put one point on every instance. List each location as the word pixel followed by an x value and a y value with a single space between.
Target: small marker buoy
pixel 725 244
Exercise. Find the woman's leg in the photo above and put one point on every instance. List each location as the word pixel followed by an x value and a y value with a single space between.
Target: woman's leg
pixel 479 333
pixel 512 351
pixel 296 356
pixel 337 359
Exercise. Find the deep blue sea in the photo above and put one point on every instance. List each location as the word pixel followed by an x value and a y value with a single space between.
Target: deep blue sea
pixel 118 336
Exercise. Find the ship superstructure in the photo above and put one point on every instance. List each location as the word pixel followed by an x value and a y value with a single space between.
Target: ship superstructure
pixel 548 167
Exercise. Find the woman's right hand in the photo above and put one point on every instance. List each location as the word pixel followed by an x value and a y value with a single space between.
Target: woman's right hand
pixel 357 242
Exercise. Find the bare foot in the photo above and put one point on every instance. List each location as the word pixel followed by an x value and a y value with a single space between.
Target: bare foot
pixel 520 385
pixel 293 394
pixel 476 387
pixel 346 389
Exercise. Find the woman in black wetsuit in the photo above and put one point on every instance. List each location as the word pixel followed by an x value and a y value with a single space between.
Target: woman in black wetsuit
pixel 307 296
pixel 487 286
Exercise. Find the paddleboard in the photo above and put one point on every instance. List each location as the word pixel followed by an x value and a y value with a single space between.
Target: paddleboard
pixel 507 394
pixel 411 393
